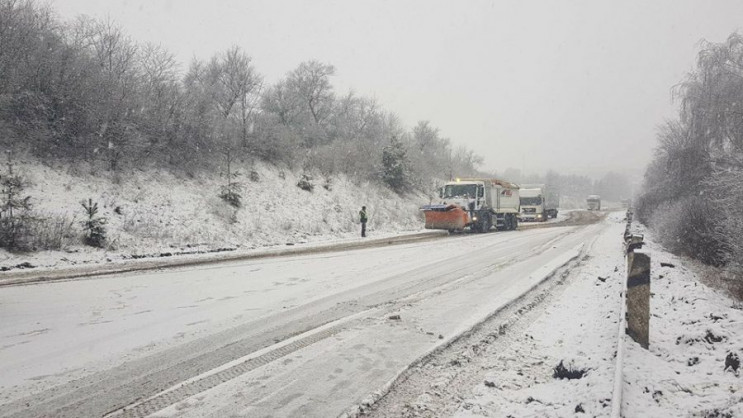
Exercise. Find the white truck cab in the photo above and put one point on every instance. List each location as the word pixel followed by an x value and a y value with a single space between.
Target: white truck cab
pixel 486 203
pixel 537 204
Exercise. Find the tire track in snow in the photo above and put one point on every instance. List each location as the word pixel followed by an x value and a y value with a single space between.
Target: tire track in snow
pixel 196 386
pixel 210 380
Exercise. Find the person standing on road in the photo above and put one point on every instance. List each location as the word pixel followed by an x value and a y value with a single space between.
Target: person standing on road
pixel 363 218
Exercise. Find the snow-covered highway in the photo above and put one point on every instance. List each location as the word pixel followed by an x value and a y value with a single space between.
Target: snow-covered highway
pixel 308 335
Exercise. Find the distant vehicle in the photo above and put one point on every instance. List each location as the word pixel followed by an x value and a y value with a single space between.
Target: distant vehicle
pixel 538 203
pixel 594 202
pixel 476 203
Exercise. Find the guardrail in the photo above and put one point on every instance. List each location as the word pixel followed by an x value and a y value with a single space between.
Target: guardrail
pixel 634 318
pixel 637 291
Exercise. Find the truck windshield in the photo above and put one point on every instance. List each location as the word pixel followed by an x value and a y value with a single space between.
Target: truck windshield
pixel 531 201
pixel 459 190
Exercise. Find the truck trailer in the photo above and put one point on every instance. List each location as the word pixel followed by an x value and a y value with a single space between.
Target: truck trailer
pixel 538 203
pixel 475 203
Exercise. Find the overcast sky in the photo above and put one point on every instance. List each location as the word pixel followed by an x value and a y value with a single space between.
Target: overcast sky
pixel 577 86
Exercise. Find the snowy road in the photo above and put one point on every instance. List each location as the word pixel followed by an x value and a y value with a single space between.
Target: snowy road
pixel 308 335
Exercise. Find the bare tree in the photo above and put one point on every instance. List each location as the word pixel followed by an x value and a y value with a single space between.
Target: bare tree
pixel 224 95
pixel 280 101
pixel 311 82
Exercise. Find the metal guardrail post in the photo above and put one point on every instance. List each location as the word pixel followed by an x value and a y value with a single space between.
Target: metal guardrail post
pixel 638 297
pixel 634 242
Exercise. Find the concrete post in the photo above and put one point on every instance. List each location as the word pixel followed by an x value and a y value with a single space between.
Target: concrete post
pixel 638 298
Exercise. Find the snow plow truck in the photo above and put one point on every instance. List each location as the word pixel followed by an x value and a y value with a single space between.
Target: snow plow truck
pixel 477 204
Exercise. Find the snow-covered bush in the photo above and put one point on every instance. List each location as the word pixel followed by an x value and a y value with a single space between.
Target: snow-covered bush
pixel 689 226
pixel 223 210
pixel 15 210
pixel 51 231
pixel 93 225
pixel 395 165
pixel 727 187
pixel 231 195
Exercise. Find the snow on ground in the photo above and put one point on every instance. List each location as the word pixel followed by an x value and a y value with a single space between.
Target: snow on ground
pixel 578 330
pixel 62 331
pixel 54 331
pixel 691 368
pixel 696 337
pixel 307 383
pixel 695 331
pixel 154 212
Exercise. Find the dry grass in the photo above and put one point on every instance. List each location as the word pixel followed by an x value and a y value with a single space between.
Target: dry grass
pixel 719 278
pixel 55 232
pixel 147 226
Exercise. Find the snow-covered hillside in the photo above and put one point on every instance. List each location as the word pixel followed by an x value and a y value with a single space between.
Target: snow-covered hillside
pixel 153 212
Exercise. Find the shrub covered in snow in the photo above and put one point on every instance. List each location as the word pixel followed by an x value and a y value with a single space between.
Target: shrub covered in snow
pixel 93 225
pixel 689 226
pixel 15 209
pixel 727 198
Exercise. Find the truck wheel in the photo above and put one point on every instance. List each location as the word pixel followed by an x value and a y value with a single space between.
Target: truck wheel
pixel 515 223
pixel 484 224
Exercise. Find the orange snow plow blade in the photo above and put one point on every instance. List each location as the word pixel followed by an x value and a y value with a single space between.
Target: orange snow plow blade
pixel 449 217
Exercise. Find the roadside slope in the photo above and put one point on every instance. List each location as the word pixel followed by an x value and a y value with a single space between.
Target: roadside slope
pixel 154 213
